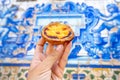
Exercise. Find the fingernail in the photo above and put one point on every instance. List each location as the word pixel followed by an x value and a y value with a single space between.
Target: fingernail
pixel 59 47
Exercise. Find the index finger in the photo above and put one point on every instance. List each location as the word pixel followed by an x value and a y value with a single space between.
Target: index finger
pixel 38 56
pixel 40 45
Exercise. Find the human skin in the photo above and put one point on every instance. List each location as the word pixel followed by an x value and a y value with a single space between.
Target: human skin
pixel 49 64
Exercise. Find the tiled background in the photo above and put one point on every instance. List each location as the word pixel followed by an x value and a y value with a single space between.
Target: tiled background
pixel 14 62
pixel 82 73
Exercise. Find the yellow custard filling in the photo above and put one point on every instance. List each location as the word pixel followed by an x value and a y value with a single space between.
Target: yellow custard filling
pixel 58 30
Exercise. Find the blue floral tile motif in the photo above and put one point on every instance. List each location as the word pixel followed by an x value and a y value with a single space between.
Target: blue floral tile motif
pixel 96 34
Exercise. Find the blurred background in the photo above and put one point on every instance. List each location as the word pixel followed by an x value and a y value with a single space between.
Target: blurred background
pixel 95 54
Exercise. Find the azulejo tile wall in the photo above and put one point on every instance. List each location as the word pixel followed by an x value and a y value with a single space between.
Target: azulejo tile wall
pixel 96 45
pixel 20 73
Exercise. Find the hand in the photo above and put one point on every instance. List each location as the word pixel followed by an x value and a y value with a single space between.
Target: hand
pixel 49 64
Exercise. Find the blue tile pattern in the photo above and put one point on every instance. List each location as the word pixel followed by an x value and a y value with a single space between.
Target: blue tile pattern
pixel 18 36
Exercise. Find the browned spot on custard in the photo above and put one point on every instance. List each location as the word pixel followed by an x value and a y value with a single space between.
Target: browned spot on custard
pixel 54 37
pixel 64 28
pixel 57 32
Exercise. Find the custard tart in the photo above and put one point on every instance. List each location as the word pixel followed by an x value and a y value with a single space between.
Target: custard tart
pixel 57 33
